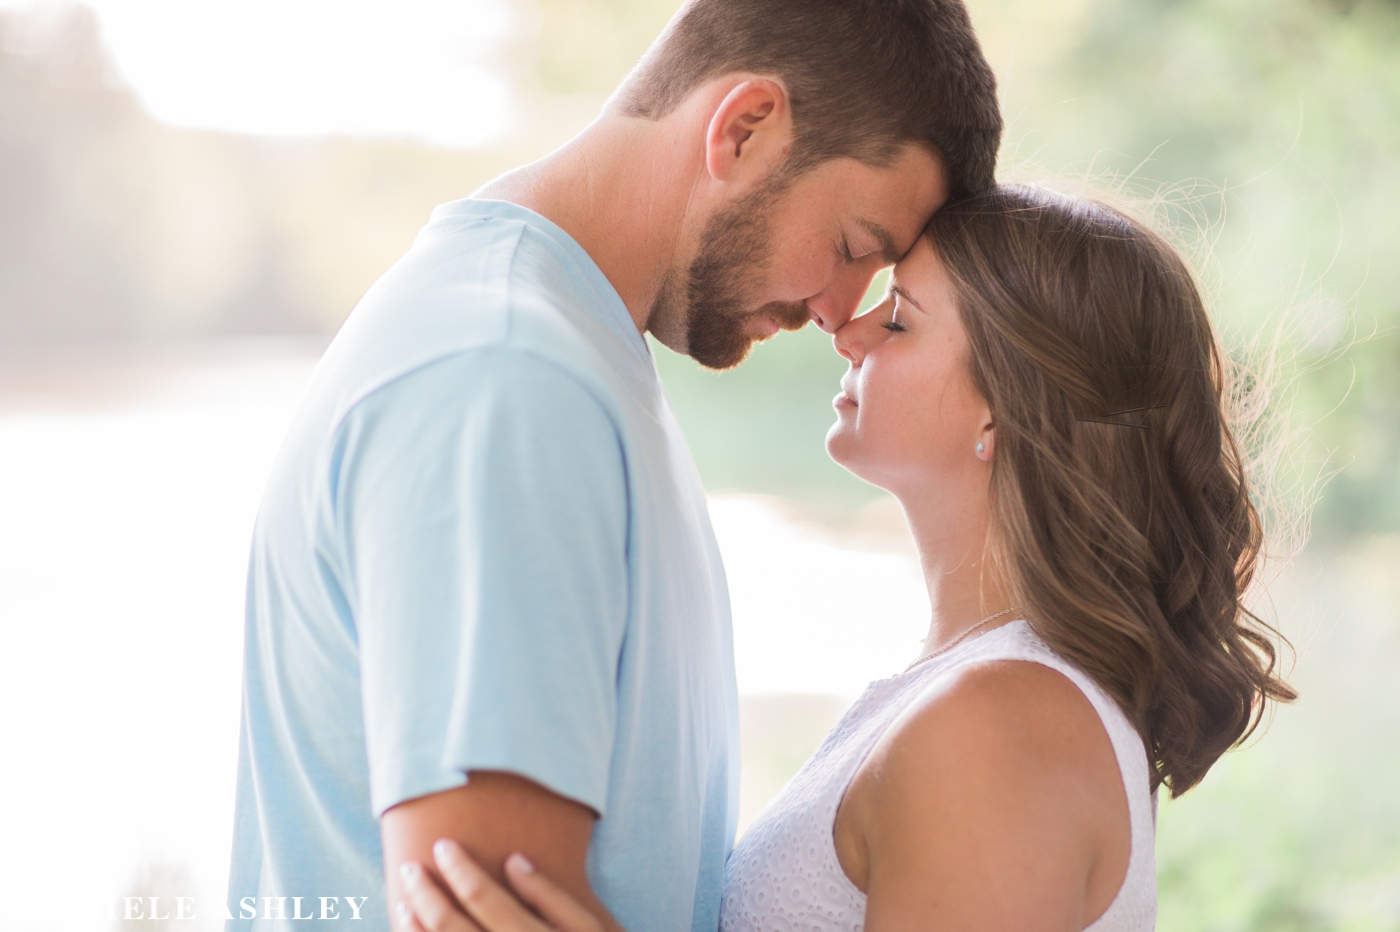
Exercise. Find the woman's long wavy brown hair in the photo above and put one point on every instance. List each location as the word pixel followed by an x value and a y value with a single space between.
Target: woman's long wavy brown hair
pixel 1129 548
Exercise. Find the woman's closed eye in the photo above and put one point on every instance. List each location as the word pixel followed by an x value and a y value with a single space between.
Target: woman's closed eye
pixel 894 326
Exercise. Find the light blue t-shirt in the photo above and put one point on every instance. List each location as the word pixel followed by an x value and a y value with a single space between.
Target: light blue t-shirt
pixel 484 545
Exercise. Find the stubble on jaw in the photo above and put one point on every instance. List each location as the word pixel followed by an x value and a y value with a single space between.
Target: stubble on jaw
pixel 734 251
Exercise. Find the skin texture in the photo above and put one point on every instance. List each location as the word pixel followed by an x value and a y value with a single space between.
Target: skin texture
pixel 995 801
pixel 639 196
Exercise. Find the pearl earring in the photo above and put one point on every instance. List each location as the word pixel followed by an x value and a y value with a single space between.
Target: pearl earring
pixel 980 447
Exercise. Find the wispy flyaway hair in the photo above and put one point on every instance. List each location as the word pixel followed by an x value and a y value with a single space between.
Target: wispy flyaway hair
pixel 1122 516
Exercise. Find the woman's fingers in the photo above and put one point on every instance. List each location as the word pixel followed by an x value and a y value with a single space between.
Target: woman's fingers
pixel 404 920
pixel 426 908
pixel 493 906
pixel 548 898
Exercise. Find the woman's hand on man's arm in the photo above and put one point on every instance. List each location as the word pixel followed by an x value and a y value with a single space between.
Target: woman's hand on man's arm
pixel 483 905
pixel 493 815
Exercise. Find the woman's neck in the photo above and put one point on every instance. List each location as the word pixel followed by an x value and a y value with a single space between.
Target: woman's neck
pixel 964 587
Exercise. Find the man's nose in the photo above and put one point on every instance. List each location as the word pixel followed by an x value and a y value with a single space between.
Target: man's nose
pixel 848 343
pixel 834 307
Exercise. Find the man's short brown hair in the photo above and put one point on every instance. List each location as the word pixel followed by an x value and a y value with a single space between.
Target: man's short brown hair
pixel 865 78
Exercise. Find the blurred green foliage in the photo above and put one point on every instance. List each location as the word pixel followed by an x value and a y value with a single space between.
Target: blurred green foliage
pixel 1278 123
pixel 1300 830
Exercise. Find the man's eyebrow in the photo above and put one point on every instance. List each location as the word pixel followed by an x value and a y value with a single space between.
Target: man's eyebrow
pixel 888 250
pixel 896 290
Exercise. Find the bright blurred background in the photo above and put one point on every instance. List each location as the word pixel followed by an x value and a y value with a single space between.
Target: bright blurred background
pixel 194 193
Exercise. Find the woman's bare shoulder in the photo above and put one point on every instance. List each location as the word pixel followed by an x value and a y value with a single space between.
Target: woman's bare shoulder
pixel 1015 707
pixel 997 789
pixel 1013 724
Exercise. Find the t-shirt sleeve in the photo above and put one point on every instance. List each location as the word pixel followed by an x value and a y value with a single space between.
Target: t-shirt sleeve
pixel 481 511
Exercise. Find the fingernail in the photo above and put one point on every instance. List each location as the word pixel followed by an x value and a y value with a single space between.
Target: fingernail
pixel 409 872
pixel 522 863
pixel 403 912
pixel 443 848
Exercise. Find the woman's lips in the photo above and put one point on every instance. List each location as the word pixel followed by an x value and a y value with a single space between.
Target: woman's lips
pixel 843 400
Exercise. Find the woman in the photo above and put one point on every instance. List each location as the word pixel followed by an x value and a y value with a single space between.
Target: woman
pixel 1043 393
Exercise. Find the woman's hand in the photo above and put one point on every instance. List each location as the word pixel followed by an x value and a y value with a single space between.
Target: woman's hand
pixel 482 904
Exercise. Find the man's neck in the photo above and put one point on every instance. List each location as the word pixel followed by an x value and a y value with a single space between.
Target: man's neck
pixel 621 189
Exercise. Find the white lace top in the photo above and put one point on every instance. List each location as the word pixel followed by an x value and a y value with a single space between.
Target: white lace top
pixel 784 876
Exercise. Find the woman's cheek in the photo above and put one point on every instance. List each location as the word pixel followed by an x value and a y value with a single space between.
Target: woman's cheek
pixel 884 428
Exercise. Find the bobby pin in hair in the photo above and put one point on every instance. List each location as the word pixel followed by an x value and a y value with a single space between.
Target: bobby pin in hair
pixel 1096 420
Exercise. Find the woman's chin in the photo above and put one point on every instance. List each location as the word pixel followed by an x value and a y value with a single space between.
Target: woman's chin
pixel 838 442
pixel 844 451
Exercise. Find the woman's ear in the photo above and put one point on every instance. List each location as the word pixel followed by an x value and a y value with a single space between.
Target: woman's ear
pixel 986 442
pixel 750 131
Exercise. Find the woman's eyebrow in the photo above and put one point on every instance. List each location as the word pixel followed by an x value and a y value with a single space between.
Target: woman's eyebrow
pixel 896 290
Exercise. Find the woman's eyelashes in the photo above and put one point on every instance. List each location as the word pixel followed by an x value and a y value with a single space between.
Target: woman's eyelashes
pixel 893 325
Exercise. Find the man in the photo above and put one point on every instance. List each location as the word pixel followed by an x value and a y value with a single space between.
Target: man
pixel 484 598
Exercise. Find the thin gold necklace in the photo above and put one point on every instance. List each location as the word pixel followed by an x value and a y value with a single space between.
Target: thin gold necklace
pixel 961 637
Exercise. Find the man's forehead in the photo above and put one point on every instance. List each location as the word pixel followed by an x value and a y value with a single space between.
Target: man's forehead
pixel 900 203
pixel 890 249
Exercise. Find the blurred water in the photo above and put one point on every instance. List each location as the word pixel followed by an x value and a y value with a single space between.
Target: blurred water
pixel 127 493
pixel 128 487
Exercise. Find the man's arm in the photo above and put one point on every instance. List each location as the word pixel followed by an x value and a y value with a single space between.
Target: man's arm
pixel 484 511
pixel 493 816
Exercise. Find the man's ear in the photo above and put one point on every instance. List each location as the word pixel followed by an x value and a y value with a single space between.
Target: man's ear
pixel 750 131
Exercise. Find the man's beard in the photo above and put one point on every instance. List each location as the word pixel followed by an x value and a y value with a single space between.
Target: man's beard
pixel 734 250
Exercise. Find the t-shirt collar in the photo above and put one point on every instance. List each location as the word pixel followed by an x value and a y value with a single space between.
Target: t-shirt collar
pixel 617 317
